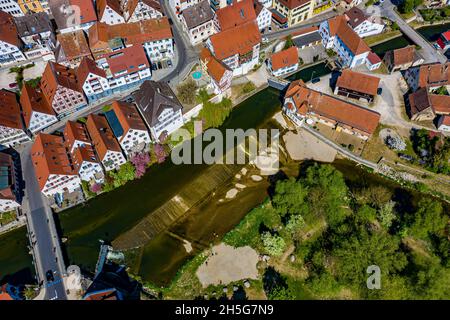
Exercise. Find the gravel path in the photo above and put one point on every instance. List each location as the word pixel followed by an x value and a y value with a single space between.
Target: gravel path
pixel 228 264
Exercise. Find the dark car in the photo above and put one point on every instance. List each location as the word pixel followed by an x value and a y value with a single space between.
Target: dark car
pixel 315 80
pixel 13 85
pixel 406 157
pixel 49 276
pixel 379 91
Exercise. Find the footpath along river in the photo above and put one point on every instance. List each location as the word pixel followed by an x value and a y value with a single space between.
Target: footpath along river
pixel 112 214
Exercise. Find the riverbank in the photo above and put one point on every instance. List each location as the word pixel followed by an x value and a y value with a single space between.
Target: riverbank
pixel 295 265
pixel 113 214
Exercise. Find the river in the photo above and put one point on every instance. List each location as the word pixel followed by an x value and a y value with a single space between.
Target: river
pixel 109 215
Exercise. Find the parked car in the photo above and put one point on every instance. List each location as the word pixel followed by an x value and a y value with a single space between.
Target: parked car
pixel 379 91
pixel 406 157
pixel 49 276
pixel 315 80
pixel 13 85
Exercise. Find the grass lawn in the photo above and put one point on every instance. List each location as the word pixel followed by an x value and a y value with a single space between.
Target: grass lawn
pixel 407 16
pixel 372 40
pixel 247 232
pixel 7 217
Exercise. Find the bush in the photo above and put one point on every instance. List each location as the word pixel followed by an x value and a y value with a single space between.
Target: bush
pixel 140 162
pixel 289 42
pixel 248 87
pixel 125 173
pixel 273 244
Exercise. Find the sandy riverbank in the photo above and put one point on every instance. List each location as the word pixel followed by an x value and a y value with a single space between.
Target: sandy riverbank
pixel 302 145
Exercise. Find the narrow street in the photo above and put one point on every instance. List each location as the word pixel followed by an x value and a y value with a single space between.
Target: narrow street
pixel 42 233
pixel 429 53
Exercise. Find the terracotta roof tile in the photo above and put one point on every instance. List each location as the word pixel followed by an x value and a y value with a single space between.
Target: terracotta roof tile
pixel 102 136
pixel 236 14
pixel 239 40
pixel 8 29
pixel 434 75
pixel 86 67
pixel 343 112
pixel 9 110
pixel 285 58
pixel 128 116
pixel 54 75
pixel 50 156
pixel 74 45
pixel 216 69
pixel 292 4
pixel 33 100
pixel 359 82
pixel 132 33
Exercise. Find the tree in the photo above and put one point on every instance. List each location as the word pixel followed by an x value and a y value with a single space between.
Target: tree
pixel 214 114
pixel 386 214
pixel 294 223
pixel 407 6
pixel 187 91
pixel 140 162
pixel 160 153
pixel 125 173
pixel 364 249
pixel 203 96
pixel 273 244
pixel 427 220
pixel 275 285
pixel 290 197
pixel 96 188
pixel 289 42
pixel 328 195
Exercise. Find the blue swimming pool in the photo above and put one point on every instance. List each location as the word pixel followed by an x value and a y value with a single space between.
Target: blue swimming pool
pixel 197 75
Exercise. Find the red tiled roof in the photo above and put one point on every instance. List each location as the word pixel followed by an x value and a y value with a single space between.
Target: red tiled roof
pixel 359 82
pixel 8 29
pixel 404 55
pixel 49 156
pixel 239 40
pixel 74 44
pixel 292 4
pixel 373 58
pixel 75 131
pixel 337 110
pixel 133 33
pixel 338 26
pixel 113 4
pixel 236 14
pixel 434 75
pixel 10 110
pixel 102 136
pixel 54 75
pixel 216 69
pixel 445 120
pixel 127 59
pixel 33 100
pixel 285 58
pixel 305 31
pixel 86 67
pixel 440 103
pixel 128 116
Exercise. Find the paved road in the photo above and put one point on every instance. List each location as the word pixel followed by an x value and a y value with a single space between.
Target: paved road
pixel 42 233
pixel 429 53
pixel 343 151
pixel 187 54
